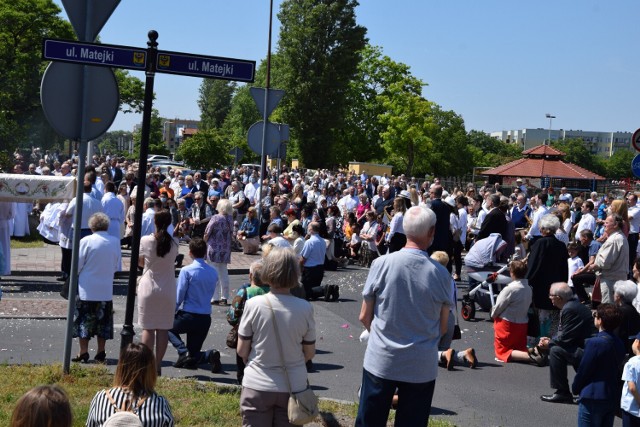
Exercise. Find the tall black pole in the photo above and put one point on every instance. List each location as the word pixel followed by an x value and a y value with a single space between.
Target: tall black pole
pixel 126 336
pixel 263 156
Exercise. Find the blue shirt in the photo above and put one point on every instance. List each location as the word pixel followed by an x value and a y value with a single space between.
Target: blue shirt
pixel 314 251
pixel 196 285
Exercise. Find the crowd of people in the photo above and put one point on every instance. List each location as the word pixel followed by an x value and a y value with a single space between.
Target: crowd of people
pixel 412 237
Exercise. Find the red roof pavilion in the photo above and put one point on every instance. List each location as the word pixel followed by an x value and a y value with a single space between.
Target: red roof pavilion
pixel 543 161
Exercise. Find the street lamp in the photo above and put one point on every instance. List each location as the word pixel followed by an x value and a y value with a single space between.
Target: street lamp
pixel 550 117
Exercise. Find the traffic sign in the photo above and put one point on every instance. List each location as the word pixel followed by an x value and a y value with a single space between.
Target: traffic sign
pixel 635 140
pixel 61 95
pixel 271 143
pixel 275 95
pixel 206 66
pixel 635 166
pixel 95 54
pixel 88 14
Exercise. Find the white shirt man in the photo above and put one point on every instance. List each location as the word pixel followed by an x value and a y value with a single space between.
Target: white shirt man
pixel 564 196
pixel 541 210
pixel 588 221
pixel 148 218
pixel 113 207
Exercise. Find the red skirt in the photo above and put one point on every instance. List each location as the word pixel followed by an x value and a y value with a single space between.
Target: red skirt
pixel 509 336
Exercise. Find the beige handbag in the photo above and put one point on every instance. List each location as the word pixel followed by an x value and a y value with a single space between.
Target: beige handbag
pixel 303 405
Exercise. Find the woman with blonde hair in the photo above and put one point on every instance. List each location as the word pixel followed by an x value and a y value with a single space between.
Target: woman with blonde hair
pixel 275 329
pixel 133 390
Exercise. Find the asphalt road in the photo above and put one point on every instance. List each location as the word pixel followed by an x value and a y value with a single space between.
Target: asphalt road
pixel 494 394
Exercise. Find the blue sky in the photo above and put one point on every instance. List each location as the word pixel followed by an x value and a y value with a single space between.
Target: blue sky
pixel 499 64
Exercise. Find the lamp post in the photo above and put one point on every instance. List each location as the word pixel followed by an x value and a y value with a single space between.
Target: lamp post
pixel 550 117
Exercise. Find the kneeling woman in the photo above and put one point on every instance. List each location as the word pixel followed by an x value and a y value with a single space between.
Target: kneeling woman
pixel 510 318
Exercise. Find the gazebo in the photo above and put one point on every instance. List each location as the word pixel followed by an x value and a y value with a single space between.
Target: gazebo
pixel 542 166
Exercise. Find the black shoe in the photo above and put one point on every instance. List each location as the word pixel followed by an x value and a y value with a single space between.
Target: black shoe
pixel 328 294
pixel 538 357
pixel 557 398
pixel 214 360
pixel 181 359
pixel 84 357
pixel 309 366
pixel 335 293
pixel 223 301
pixel 190 363
pixel 179 260
pixel 100 357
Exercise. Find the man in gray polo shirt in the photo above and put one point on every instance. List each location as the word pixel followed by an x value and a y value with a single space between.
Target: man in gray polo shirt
pixel 405 307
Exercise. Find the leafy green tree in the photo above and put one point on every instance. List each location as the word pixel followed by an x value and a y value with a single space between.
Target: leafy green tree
pixel 450 155
pixel 359 139
pixel 320 44
pixel 408 127
pixel 131 92
pixel 577 152
pixel 489 151
pixel 619 164
pixel 109 141
pixel 215 102
pixel 23 25
pixel 205 149
pixel 156 143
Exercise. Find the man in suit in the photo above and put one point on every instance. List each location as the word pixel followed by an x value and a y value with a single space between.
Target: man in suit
pixel 443 239
pixel 115 172
pixel 495 221
pixel 567 346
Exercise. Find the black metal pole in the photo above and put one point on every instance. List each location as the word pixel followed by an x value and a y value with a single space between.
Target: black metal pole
pixel 126 336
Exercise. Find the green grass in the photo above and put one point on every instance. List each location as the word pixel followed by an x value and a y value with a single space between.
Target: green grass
pixel 192 403
pixel 28 242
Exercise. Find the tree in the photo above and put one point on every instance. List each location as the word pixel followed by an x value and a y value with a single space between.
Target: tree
pixel 320 46
pixel 578 153
pixel 489 151
pixel 359 139
pixel 110 140
pixel 450 155
pixel 215 102
pixel 23 25
pixel 619 164
pixel 205 149
pixel 409 126
pixel 156 143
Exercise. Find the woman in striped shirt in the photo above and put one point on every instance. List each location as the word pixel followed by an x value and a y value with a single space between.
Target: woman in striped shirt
pixel 133 391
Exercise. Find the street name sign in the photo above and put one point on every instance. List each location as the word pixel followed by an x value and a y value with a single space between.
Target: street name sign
pixel 187 64
pixel 95 54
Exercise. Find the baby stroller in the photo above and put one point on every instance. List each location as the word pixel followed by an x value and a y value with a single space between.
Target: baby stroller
pixel 486 277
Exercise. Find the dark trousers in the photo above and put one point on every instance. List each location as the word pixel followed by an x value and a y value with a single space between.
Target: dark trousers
pixel 65 263
pixel 559 359
pixel 633 247
pixel 629 420
pixel 312 281
pixel 376 394
pixel 580 281
pixel 196 326
pixel 457 256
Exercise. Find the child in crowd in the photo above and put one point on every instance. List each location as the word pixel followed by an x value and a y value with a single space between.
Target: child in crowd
pixel 574 261
pixel 520 251
pixel 630 401
pixel 446 355
pixel 356 241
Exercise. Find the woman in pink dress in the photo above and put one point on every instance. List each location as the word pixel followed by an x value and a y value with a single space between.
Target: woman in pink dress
pixel 218 235
pixel 157 286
